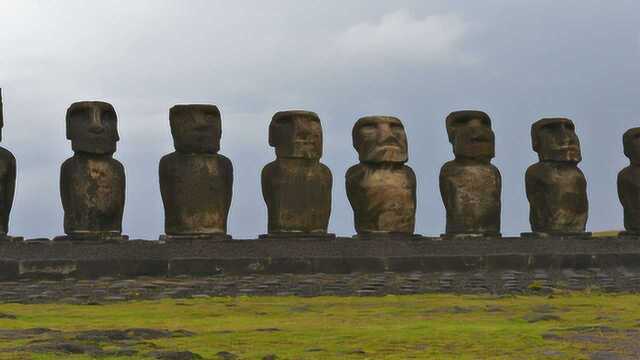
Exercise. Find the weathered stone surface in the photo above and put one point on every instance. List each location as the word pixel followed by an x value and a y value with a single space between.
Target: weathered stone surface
pixel 92 183
pixel 381 189
pixel 195 181
pixel 7 181
pixel 108 261
pixel 470 185
pixel 629 182
pixel 296 186
pixel 556 187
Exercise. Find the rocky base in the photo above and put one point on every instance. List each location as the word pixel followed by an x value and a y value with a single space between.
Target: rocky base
pixel 54 260
pixel 108 289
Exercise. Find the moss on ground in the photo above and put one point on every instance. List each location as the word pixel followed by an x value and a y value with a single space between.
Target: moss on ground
pixel 567 326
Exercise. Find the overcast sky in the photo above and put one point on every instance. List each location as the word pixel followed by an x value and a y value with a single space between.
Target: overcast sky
pixel 418 60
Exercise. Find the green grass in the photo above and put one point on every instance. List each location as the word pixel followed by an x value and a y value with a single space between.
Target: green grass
pixel 390 327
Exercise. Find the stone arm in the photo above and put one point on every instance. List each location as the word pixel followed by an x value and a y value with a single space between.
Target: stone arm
pixel 536 196
pixel 353 193
pixel 163 173
pixel 621 186
pixel 583 189
pixel 123 184
pixel 445 185
pixel 412 178
pixel 329 178
pixel 265 181
pixel 498 180
pixel 9 189
pixel 229 183
pixel 64 192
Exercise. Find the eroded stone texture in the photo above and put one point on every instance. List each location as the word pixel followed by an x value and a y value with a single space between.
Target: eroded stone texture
pixel 381 189
pixel 7 182
pixel 470 185
pixel 629 182
pixel 556 187
pixel 195 181
pixel 92 182
pixel 296 187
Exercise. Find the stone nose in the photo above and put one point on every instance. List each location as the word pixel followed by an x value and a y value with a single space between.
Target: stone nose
pixel 96 125
pixel 386 134
pixel 302 129
pixel 566 136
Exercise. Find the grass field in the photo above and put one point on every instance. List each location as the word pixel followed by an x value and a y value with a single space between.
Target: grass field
pixel 563 326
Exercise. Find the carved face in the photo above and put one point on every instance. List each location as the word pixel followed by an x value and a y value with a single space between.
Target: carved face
pixel 296 134
pixel 631 143
pixel 380 139
pixel 196 128
pixel 92 127
pixel 555 139
pixel 471 135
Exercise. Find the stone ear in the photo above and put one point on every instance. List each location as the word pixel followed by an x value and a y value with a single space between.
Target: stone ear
pixel 272 133
pixel 535 143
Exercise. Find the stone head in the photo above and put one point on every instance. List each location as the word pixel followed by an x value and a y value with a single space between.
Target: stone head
pixel 92 127
pixel 631 144
pixel 196 128
pixel 380 139
pixel 555 139
pixel 296 134
pixel 471 135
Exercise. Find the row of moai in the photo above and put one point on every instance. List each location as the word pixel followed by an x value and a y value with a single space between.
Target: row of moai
pixel 196 181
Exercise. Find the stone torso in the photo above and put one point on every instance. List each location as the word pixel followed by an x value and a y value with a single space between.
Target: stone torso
pixel 93 191
pixel 196 192
pixel 298 195
pixel 383 198
pixel 629 193
pixel 471 195
pixel 7 187
pixel 557 194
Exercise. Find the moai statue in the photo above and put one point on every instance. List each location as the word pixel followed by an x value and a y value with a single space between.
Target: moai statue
pixel 470 185
pixel 629 183
pixel 296 186
pixel 556 187
pixel 92 182
pixel 381 189
pixel 195 181
pixel 7 184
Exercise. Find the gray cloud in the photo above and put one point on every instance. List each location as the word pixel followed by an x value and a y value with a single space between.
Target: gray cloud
pixel 417 60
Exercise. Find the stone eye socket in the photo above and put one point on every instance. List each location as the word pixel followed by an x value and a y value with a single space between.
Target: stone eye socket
pixel 368 127
pixel 108 116
pixel 79 113
pixel 397 128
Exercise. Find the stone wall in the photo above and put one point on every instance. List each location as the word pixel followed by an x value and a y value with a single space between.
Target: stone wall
pixel 299 256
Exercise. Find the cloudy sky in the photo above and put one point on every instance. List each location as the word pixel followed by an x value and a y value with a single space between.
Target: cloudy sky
pixel 417 60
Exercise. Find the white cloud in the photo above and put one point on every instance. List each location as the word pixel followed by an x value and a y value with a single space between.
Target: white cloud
pixel 400 36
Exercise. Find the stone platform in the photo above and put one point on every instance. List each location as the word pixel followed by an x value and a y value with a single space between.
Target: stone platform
pixel 57 260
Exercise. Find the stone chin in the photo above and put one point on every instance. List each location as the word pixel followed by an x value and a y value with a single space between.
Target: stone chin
pixel 197 149
pixel 94 147
pixel 309 151
pixel 386 154
pixel 571 155
pixel 479 151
